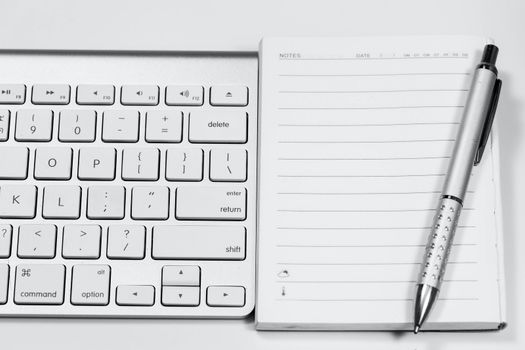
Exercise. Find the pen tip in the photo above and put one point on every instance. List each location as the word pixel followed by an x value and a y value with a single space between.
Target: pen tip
pixel 416 329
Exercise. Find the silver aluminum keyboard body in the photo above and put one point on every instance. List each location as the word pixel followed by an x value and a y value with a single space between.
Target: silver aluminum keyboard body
pixel 213 267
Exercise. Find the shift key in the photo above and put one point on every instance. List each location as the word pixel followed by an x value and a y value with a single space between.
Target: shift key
pixel 211 203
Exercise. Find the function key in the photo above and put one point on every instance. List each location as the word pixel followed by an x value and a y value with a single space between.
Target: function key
pixel 51 94
pixel 12 93
pixel 140 95
pixel 95 94
pixel 224 95
pixel 184 95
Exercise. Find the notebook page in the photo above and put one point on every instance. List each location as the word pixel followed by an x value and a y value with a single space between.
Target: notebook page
pixel 355 139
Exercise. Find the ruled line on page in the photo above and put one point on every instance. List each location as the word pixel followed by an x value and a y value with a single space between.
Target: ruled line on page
pixel 360 210
pixel 362 159
pixel 365 142
pixel 291 263
pixel 370 58
pixel 364 228
pixel 365 245
pixel 367 282
pixel 368 125
pixel 372 74
pixel 370 299
pixel 367 91
pixel 361 193
pixel 368 108
pixel 359 176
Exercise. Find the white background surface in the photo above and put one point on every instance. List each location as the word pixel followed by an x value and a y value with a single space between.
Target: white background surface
pixel 238 25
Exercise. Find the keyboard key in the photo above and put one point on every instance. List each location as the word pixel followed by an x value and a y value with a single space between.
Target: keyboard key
pixel 120 126
pixel 140 164
pixel 181 275
pixel 53 163
pixel 210 203
pixel 95 94
pixel 81 242
pixel 39 284
pixel 61 202
pixel 90 285
pixel 150 203
pixel 96 163
pixel 199 242
pixel 51 94
pixel 4 283
pixel 181 296
pixel 12 94
pixel 229 95
pixel 34 125
pixel 184 95
pixel 13 163
pixel 77 126
pixel 130 295
pixel 17 201
pixel 184 164
pixel 6 232
pixel 229 296
pixel 126 242
pixel 37 241
pixel 228 165
pixel 164 126
pixel 140 95
pixel 4 124
pixel 106 202
pixel 218 127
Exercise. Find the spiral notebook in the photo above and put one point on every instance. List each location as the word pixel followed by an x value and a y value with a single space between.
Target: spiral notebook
pixel 355 138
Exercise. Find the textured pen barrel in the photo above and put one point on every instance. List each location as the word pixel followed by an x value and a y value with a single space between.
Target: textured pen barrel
pixel 440 242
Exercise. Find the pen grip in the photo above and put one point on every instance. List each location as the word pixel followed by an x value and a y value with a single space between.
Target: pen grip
pixel 439 243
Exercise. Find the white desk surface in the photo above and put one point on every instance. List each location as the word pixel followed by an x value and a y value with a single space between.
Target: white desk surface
pixel 238 25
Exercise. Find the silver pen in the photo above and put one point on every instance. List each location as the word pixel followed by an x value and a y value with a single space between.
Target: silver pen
pixel 472 137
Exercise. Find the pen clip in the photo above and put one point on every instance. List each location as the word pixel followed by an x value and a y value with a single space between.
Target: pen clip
pixel 488 121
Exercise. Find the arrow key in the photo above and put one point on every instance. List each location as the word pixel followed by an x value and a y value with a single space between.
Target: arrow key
pixel 133 295
pixel 228 296
pixel 181 275
pixel 180 296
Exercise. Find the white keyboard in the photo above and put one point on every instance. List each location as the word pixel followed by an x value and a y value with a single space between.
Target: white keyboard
pixel 127 184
